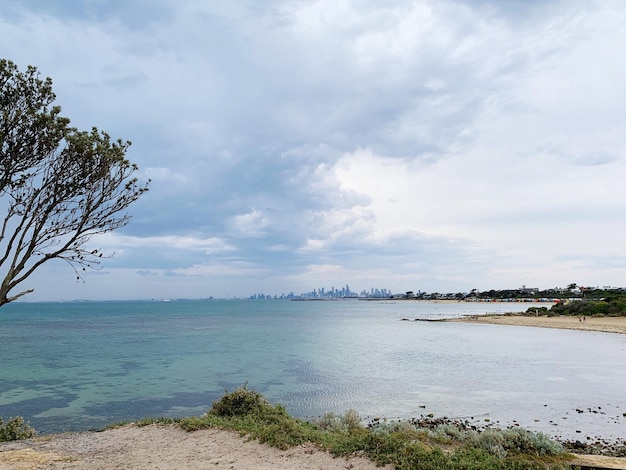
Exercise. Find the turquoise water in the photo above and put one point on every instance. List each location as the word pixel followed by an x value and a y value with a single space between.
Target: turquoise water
pixel 77 366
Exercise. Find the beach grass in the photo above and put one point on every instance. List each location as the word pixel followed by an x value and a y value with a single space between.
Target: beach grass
pixel 402 445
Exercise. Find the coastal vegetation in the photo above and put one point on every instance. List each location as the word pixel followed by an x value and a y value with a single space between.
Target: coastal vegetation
pixel 405 445
pixel 15 429
pixel 591 303
pixel 587 308
pixel 58 186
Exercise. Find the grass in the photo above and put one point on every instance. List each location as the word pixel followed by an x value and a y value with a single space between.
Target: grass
pixel 404 445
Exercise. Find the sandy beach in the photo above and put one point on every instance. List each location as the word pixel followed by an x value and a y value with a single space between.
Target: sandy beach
pixel 169 447
pixel 164 447
pixel 604 324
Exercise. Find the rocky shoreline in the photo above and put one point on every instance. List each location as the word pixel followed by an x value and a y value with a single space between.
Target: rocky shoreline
pixel 592 446
pixel 595 445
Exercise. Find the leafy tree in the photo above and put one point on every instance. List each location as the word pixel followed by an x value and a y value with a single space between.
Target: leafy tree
pixel 58 186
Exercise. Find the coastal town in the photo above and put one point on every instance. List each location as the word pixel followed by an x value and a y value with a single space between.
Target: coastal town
pixel 521 294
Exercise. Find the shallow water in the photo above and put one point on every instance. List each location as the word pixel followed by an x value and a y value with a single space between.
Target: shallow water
pixel 77 366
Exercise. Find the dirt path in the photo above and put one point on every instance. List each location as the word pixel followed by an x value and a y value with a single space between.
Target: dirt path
pixel 163 447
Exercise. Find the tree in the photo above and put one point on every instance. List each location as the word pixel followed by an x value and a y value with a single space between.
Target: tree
pixel 58 186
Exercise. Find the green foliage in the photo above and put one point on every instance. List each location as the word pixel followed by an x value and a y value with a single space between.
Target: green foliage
pixel 250 413
pixel 15 429
pixel 400 444
pixel 615 306
pixel 336 423
pixel 498 442
pixel 537 310
pixel 240 402
pixel 59 186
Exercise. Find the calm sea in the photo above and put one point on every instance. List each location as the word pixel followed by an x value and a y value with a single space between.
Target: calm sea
pixel 78 366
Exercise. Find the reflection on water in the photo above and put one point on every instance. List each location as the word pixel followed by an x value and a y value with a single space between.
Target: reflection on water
pixel 83 365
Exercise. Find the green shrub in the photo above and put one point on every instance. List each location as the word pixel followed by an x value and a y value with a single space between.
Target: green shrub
pixel 399 443
pixel 491 441
pixel 517 440
pixel 15 429
pixel 240 402
pixel 537 310
pixel 448 432
pixel 528 442
pixel 335 423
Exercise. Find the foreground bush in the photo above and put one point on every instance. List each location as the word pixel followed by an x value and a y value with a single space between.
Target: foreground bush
pixel 402 444
pixel 499 442
pixel 15 429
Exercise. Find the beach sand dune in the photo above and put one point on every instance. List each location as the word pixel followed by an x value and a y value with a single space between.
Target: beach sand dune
pixel 164 447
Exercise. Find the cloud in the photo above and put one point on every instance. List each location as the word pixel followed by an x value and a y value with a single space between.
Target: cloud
pixel 251 224
pixel 464 143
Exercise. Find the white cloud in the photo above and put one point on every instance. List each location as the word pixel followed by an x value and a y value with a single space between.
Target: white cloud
pixel 455 143
pixel 164 174
pixel 251 224
pixel 122 243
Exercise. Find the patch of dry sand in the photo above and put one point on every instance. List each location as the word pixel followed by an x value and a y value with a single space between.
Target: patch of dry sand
pixel 164 447
pixel 604 324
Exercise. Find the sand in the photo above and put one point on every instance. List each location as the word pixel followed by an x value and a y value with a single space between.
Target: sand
pixel 169 447
pixel 604 324
pixel 164 447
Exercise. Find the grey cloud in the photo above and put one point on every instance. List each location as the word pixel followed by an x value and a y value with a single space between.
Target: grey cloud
pixel 245 107
pixel 594 159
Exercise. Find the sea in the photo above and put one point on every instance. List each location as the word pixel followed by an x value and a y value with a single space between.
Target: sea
pixel 83 365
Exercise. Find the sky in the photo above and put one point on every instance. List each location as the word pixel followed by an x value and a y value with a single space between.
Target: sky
pixel 424 145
